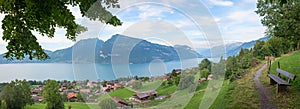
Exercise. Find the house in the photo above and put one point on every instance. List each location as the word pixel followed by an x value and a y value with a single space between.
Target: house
pixel 210 77
pixel 85 91
pixel 201 80
pixel 109 88
pixel 120 102
pixel 115 87
pixel 190 69
pixel 35 91
pixel 64 86
pixel 166 77
pixel 110 83
pixel 69 91
pixel 91 84
pixel 37 99
pixel 123 83
pixel 178 70
pixel 72 96
pixel 144 96
pixel 269 57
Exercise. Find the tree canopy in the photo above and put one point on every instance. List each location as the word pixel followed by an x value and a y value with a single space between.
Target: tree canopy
pixel 281 17
pixel 23 17
pixel 52 97
pixel 16 95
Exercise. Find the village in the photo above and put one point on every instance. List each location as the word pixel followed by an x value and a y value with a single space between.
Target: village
pixel 126 92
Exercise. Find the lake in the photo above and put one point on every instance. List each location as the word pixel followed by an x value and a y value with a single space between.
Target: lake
pixel 60 71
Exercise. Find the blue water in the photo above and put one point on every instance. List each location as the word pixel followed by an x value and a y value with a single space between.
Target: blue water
pixel 57 71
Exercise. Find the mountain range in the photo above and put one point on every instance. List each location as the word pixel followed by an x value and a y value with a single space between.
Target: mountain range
pixel 125 49
pixel 118 49
pixel 231 49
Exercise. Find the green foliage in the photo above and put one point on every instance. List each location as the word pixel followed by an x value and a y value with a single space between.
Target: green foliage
pixel 80 97
pixel 22 17
pixel 64 97
pixel 238 65
pixel 204 73
pixel 16 95
pixel 52 97
pixel 258 50
pixel 174 78
pixel 281 19
pixel 3 105
pixel 275 46
pixel 108 103
pixel 205 64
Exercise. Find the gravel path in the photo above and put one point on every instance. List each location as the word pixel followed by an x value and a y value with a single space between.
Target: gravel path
pixel 264 92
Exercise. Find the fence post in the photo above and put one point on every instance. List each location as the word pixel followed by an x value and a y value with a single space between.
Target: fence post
pixel 269 63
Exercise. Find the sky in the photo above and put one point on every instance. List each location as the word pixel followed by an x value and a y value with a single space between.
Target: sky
pixel 199 24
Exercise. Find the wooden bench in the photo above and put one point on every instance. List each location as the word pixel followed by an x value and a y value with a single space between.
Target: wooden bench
pixel 281 83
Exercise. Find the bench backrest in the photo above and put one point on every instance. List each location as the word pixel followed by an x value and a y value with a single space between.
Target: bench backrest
pixel 287 74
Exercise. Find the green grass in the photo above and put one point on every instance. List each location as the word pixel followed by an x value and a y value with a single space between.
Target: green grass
pixel 242 92
pixel 201 86
pixel 239 94
pixel 74 105
pixel 36 106
pixel 151 103
pixel 34 86
pixel 166 90
pixel 290 98
pixel 122 93
pixel 196 99
pixel 150 85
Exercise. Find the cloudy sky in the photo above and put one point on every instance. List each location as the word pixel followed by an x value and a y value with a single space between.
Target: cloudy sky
pixel 170 22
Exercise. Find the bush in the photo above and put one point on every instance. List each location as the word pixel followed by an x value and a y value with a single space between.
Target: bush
pixel 204 73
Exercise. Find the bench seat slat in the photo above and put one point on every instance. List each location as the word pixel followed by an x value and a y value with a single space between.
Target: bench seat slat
pixel 285 73
pixel 278 80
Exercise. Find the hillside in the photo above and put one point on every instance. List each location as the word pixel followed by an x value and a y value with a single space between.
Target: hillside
pixel 290 63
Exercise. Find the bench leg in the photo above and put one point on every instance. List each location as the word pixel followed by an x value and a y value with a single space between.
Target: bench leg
pixel 272 82
pixel 281 88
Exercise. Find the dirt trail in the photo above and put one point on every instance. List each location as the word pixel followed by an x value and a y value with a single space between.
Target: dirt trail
pixel 264 92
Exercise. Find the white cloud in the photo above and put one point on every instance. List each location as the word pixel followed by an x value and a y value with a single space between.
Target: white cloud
pixel 237 23
pixel 148 11
pixel 76 12
pixel 158 29
pixel 241 25
pixel 109 30
pixel 221 2
pixel 250 1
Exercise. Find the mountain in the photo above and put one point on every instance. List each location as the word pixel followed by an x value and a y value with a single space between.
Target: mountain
pixel 232 49
pixel 25 60
pixel 80 52
pixel 118 49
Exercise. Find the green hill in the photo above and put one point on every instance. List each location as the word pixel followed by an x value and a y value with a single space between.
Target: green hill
pixel 290 98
